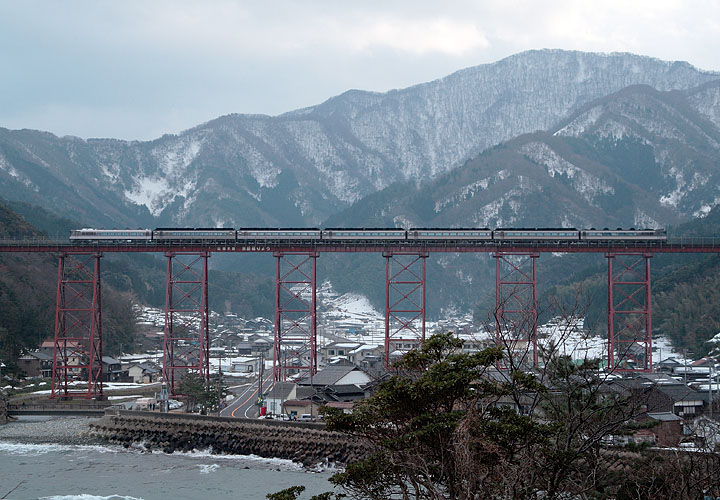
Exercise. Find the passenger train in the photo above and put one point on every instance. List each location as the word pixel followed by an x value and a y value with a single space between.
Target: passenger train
pixel 221 235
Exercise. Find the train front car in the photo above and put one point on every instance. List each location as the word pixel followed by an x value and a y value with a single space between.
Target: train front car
pixel 105 235
pixel 200 235
pixel 444 234
pixel 264 235
pixel 363 234
pixel 543 235
pixel 620 234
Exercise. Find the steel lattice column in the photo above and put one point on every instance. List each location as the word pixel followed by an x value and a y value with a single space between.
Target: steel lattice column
pixel 516 304
pixel 78 327
pixel 187 337
pixel 295 345
pixel 404 301
pixel 629 311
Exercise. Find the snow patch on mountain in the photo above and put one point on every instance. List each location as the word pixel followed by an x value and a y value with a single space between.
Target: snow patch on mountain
pixel 682 188
pixel 706 208
pixel 174 157
pixel 643 220
pixel 18 176
pixel 583 182
pixel 5 165
pixel 156 193
pixel 465 193
pixel 489 214
pixel 613 129
pixel 580 124
pixel 401 221
pixel 110 172
pixel 707 103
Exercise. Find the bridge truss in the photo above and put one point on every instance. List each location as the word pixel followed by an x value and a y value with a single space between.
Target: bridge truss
pixel 77 350
pixel 404 302
pixel 78 320
pixel 186 341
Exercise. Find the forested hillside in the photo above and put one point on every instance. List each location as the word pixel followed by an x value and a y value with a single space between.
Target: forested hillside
pixel 28 284
pixel 685 289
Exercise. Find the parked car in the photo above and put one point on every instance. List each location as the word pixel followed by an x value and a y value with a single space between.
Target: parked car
pixel 174 404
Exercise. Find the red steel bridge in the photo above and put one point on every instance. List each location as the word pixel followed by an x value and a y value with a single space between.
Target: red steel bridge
pixel 78 322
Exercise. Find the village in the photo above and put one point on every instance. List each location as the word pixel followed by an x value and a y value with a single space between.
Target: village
pixel 680 394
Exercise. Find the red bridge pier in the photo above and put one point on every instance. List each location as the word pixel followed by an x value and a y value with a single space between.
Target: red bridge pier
pixel 186 345
pixel 516 314
pixel 295 342
pixel 629 312
pixel 77 353
pixel 404 301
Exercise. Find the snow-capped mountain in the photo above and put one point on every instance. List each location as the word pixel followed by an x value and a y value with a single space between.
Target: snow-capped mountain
pixel 636 158
pixel 303 166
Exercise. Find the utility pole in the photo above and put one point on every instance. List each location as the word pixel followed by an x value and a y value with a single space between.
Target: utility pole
pixel 261 373
pixel 219 386
pixel 312 394
pixel 710 390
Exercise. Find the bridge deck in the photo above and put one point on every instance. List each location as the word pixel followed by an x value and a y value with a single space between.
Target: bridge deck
pixel 679 245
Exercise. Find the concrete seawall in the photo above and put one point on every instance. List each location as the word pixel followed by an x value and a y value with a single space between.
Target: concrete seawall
pixel 308 444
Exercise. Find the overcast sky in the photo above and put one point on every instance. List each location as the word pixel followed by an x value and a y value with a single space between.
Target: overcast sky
pixel 138 69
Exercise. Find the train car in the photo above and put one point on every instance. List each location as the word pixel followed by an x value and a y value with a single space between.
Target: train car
pixel 623 234
pixel 111 234
pixel 363 234
pixel 264 234
pixel 542 234
pixel 194 234
pixel 421 234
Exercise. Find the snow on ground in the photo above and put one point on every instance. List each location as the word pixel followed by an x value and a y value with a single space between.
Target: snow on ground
pixel 663 349
pixel 353 318
pixel 570 339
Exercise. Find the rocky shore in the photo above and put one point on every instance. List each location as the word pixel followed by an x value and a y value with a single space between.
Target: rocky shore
pixel 59 430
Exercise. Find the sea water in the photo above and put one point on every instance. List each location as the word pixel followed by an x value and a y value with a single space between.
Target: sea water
pixel 90 472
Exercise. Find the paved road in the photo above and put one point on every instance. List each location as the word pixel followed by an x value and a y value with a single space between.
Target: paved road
pixel 244 405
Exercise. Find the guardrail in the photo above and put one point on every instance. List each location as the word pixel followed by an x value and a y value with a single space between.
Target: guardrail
pixel 699 243
pixel 74 410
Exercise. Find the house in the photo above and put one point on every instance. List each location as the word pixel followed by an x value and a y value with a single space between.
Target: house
pixel 112 369
pixel 244 364
pixel 366 354
pixel 36 364
pixel 297 407
pixel 668 428
pixel 341 374
pixel 259 343
pixel 344 393
pixel 143 373
pixel 73 354
pixel 345 406
pixel 244 348
pixel 335 349
pixel 277 395
pixel 291 399
pixel 661 393
pixel 667 365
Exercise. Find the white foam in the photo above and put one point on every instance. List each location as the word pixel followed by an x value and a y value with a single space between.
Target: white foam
pixel 202 454
pixel 86 496
pixel 33 449
pixel 207 469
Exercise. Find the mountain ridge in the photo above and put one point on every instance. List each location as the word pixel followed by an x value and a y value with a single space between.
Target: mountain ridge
pixel 303 166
